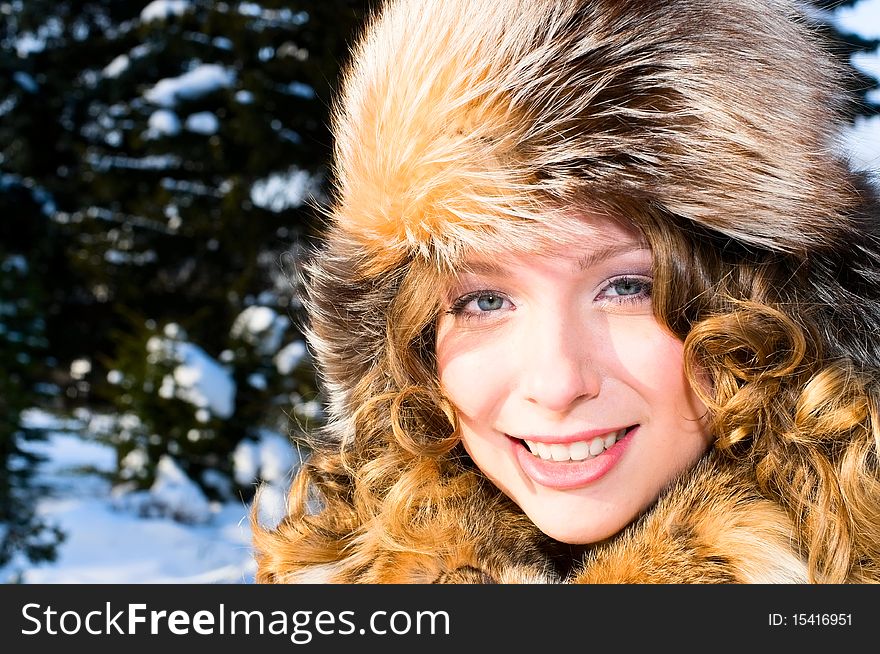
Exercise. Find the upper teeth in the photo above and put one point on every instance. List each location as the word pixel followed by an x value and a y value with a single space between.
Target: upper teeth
pixel 577 451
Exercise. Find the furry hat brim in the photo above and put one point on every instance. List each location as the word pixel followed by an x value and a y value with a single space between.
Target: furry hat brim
pixel 466 120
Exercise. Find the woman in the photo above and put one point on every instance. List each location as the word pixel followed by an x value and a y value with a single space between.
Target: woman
pixel 598 303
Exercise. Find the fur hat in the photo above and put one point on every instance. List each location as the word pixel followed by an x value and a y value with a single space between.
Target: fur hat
pixel 476 125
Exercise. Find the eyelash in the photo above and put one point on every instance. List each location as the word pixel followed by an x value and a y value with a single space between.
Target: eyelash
pixel 458 307
pixel 627 280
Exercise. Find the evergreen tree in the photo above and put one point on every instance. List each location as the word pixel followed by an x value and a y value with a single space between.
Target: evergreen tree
pixel 24 536
pixel 176 147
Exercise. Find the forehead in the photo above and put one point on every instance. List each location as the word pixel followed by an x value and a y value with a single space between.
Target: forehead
pixel 584 240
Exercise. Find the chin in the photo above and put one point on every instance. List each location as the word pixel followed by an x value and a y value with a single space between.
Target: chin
pixel 564 530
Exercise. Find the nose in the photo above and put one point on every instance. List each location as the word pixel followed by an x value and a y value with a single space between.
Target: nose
pixel 558 364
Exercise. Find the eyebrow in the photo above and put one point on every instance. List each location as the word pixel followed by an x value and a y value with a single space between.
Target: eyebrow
pixel 588 260
pixel 583 262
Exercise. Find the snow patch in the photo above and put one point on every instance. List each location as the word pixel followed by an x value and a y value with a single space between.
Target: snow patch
pixel 260 327
pixel 197 378
pixel 862 18
pixel 116 67
pixel 164 9
pixel 290 356
pixel 173 495
pixel 284 190
pixel 163 122
pixel 195 84
pixel 203 122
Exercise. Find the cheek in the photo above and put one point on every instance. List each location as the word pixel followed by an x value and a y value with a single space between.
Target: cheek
pixel 652 361
pixel 472 384
pixel 473 375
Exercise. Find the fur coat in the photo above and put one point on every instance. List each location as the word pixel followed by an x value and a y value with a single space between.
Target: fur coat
pixel 710 526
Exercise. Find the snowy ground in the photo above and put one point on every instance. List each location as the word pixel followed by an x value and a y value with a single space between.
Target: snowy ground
pixel 111 538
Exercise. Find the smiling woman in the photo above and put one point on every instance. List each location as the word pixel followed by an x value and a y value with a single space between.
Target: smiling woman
pixel 591 307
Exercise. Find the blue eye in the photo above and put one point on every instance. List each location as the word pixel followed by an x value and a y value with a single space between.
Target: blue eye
pixel 479 303
pixel 490 302
pixel 627 289
pixel 629 286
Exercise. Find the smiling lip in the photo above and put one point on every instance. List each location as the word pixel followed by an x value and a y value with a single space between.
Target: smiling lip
pixel 566 466
pixel 572 438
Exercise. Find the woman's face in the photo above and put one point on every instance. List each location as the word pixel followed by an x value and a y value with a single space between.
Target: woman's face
pixel 570 396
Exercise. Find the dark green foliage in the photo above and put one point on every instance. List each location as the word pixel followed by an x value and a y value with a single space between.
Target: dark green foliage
pixel 23 360
pixel 128 233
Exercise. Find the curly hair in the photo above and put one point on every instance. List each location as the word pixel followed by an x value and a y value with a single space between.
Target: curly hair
pixel 396 465
pixel 787 391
